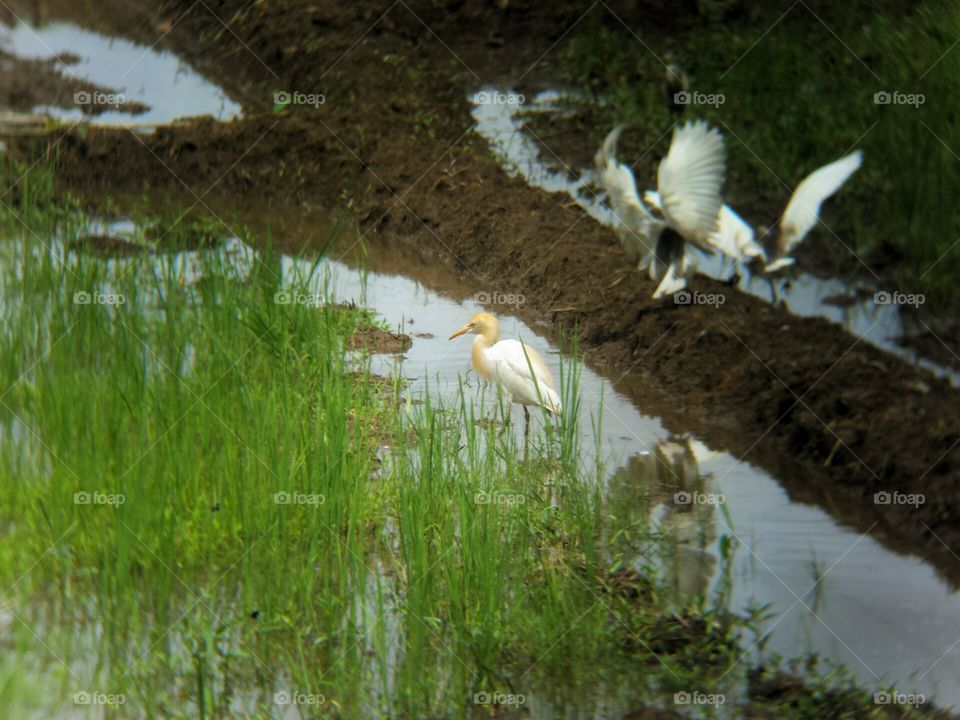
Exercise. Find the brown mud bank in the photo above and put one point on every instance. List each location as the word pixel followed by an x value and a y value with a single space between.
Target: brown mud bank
pixel 835 419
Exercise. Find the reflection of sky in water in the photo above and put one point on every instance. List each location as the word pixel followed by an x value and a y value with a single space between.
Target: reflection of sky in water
pixel 154 77
pixel 882 614
pixel 501 124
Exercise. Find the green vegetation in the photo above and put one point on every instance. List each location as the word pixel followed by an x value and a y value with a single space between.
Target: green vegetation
pixel 799 90
pixel 210 507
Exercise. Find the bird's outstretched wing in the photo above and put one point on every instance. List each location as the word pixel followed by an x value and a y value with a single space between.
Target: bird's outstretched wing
pixel 733 237
pixel 689 181
pixel 637 228
pixel 803 210
pixel 508 361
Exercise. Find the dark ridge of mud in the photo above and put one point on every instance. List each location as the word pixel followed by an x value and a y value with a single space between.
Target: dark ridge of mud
pixel 835 419
pixel 379 341
pixel 941 345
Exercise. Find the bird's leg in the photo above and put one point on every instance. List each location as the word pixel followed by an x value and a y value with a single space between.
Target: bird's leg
pixel 734 278
pixel 526 434
pixel 773 290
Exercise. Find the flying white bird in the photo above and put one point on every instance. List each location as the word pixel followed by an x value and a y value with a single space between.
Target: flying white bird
pixel 516 367
pixel 734 237
pixel 689 179
pixel 637 228
pixel 803 210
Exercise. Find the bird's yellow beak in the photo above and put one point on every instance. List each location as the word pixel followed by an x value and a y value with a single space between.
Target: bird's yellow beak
pixel 461 331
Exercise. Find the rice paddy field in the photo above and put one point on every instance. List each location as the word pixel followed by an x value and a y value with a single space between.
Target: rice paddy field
pixel 223 510
pixel 244 473
pixel 216 509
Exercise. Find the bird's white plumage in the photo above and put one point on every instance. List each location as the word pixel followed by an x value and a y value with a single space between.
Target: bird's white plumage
pixel 674 280
pixel 688 198
pixel 689 180
pixel 778 264
pixel 803 210
pixel 637 228
pixel 734 236
pixel 508 364
pixel 652 198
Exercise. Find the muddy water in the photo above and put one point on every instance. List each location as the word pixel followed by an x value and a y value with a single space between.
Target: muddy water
pixel 498 113
pixel 835 592
pixel 156 78
pixel 890 618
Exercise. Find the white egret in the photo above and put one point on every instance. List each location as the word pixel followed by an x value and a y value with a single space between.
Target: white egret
pixel 773 249
pixel 689 179
pixel 736 239
pixel 733 237
pixel 637 228
pixel 803 210
pixel 516 367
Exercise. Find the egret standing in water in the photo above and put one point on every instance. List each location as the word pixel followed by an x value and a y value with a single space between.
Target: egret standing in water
pixel 512 365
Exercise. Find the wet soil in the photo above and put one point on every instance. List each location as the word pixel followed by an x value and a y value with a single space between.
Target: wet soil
pixel 377 340
pixel 835 419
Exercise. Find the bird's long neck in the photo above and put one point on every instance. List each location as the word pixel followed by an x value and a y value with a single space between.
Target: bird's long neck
pixel 478 358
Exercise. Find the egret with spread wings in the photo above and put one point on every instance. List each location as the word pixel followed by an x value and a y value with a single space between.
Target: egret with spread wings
pixel 803 210
pixel 689 180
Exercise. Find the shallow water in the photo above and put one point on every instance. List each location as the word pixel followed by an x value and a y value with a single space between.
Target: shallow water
pixel 522 153
pixel 886 615
pixel 157 78
pixel 889 617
